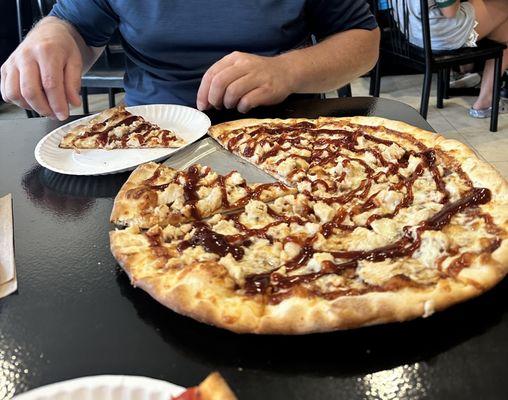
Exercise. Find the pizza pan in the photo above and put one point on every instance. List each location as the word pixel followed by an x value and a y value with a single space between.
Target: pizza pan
pixel 188 123
pixel 210 153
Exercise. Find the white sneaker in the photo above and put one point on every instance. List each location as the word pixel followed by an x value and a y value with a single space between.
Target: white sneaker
pixel 468 80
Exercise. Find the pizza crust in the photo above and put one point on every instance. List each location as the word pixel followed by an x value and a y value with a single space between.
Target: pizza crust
pixel 214 387
pixel 207 293
pixel 126 210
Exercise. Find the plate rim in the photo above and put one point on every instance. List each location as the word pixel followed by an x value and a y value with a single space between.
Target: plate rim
pixel 54 388
pixel 95 172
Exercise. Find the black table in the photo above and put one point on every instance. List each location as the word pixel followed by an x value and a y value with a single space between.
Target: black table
pixel 76 314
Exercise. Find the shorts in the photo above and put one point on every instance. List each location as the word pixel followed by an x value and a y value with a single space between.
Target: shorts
pixel 473 35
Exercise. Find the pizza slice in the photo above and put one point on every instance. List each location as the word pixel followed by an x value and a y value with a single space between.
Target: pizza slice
pixel 282 149
pixel 156 194
pixel 214 387
pixel 117 128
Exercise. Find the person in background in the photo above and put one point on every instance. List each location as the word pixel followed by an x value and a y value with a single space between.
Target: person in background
pixel 232 54
pixel 455 24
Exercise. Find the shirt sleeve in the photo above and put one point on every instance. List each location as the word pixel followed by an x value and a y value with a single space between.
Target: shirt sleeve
pixel 445 3
pixel 94 19
pixel 327 17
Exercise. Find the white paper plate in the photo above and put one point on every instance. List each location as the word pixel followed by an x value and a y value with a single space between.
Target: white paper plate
pixel 188 123
pixel 105 387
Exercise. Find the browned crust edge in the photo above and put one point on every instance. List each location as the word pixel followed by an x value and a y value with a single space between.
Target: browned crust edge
pixel 214 387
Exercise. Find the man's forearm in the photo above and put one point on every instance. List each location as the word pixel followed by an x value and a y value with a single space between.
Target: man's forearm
pixel 246 81
pixel 334 62
pixel 88 54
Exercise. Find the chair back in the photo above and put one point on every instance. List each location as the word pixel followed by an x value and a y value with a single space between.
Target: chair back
pixel 45 6
pixel 31 11
pixel 393 19
pixel 26 15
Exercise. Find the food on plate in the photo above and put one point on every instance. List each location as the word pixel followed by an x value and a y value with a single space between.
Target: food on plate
pixel 117 128
pixel 386 222
pixel 214 387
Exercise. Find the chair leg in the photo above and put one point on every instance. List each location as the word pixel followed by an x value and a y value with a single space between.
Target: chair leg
pixel 348 90
pixel 344 91
pixel 427 82
pixel 32 114
pixel 84 99
pixel 111 97
pixel 371 82
pixel 440 88
pixel 376 77
pixel 446 91
pixel 496 94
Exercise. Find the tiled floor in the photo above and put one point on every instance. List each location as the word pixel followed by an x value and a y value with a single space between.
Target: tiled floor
pixel 452 121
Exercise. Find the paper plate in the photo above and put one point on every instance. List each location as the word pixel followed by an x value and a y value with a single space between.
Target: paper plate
pixel 105 387
pixel 188 123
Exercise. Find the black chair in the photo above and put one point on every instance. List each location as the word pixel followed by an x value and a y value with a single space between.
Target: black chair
pixel 106 74
pixel 395 43
pixel 504 90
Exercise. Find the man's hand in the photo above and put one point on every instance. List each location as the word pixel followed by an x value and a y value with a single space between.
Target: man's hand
pixel 245 81
pixel 44 72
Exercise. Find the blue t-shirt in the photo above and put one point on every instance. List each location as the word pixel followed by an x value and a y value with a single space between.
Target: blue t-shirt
pixel 171 43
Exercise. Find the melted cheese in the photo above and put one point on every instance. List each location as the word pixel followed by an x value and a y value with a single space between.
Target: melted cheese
pixel 324 212
pixel 260 257
pixel 434 244
pixel 256 215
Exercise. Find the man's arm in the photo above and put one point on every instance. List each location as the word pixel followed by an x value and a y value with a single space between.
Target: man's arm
pixel 44 72
pixel 246 81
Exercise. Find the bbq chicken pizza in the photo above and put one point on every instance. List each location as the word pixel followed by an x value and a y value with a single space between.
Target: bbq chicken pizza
pixel 370 221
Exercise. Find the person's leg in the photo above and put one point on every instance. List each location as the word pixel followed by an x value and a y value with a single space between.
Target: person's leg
pixel 484 100
pixel 492 18
pixel 489 14
pixel 464 69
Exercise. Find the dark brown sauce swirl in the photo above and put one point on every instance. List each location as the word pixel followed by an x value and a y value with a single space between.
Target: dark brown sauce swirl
pixel 273 282
pixel 212 242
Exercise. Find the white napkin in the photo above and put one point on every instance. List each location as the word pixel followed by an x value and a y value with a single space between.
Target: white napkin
pixel 8 281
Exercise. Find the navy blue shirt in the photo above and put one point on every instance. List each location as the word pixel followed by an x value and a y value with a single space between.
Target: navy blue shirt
pixel 171 43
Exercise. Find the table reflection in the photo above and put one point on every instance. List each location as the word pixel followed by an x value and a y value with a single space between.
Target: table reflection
pixel 362 352
pixel 403 382
pixel 14 374
pixel 67 195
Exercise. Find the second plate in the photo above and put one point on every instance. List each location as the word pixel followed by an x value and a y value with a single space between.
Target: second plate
pixel 188 123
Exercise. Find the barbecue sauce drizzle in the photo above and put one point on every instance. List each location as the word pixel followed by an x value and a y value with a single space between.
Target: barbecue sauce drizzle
pixel 276 285
pixel 192 178
pixel 141 132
